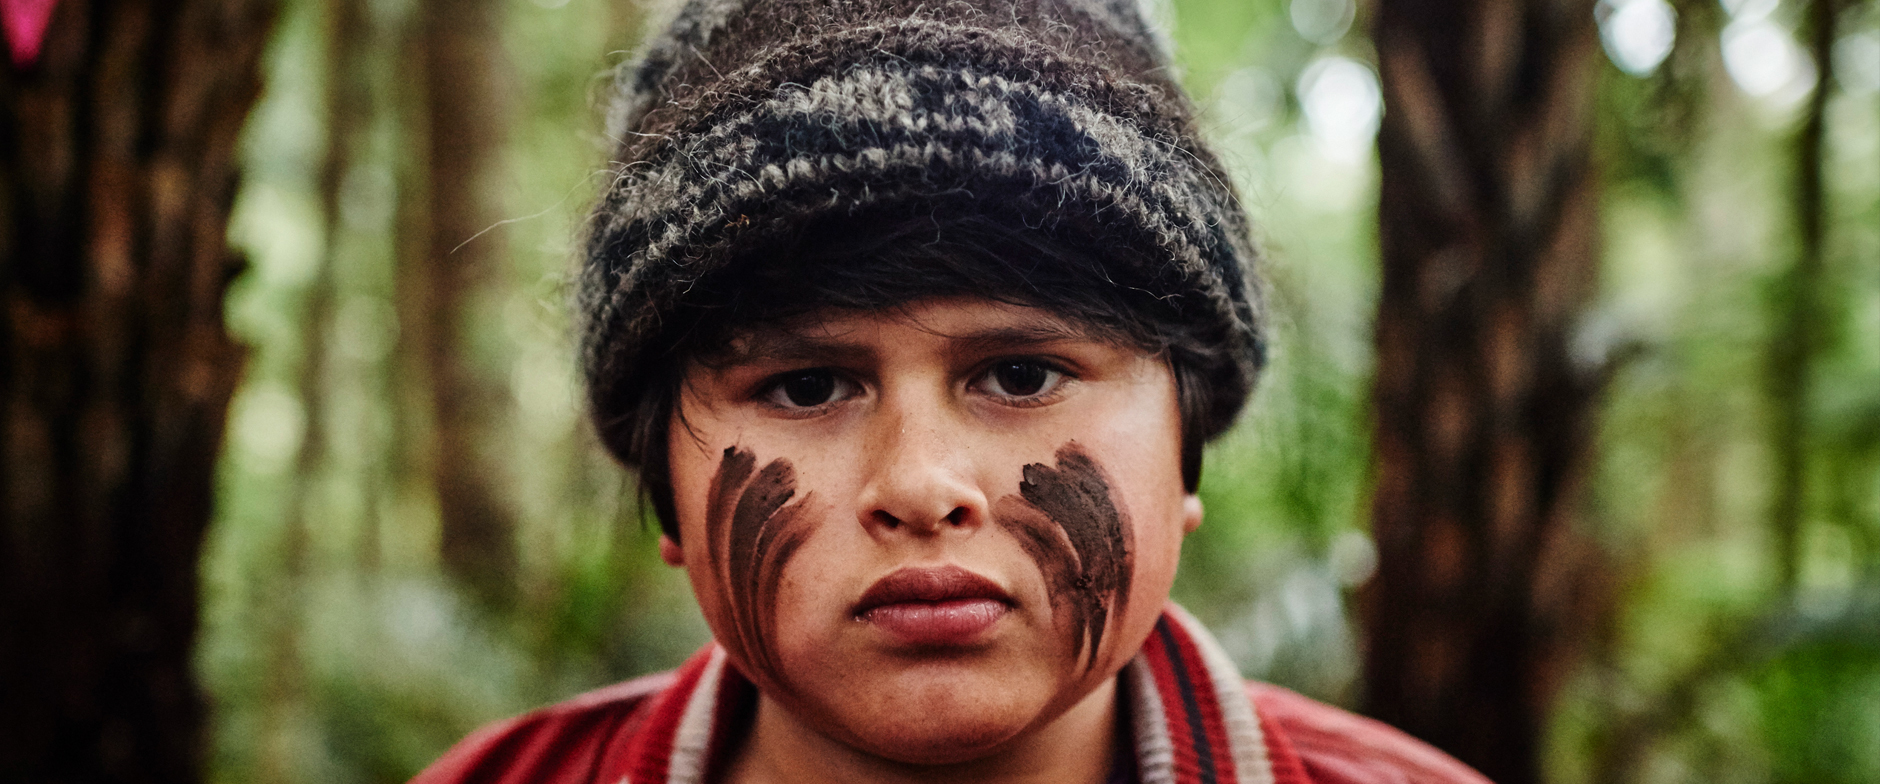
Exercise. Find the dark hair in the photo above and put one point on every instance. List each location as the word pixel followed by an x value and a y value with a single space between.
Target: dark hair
pixel 878 261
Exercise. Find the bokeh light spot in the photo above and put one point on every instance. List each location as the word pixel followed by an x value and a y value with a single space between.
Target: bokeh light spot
pixel 1638 34
pixel 1342 105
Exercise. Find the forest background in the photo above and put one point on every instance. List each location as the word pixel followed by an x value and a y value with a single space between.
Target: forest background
pixel 415 533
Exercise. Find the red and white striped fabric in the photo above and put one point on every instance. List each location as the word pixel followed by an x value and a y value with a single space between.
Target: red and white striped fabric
pixel 1195 722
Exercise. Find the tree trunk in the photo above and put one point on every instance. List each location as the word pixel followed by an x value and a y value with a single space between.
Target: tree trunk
pixel 1792 349
pixel 461 137
pixel 1487 219
pixel 118 172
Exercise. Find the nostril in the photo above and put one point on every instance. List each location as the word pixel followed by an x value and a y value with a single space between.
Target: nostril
pixel 957 516
pixel 882 517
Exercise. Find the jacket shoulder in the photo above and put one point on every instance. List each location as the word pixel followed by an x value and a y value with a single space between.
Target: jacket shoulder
pixel 570 741
pixel 1335 746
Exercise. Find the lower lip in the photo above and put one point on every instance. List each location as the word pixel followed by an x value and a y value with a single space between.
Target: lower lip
pixel 936 623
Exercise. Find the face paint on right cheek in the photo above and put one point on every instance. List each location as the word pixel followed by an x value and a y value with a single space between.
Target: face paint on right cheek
pixel 754 530
pixel 1064 519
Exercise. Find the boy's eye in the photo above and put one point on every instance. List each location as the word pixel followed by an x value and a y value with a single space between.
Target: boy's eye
pixel 1021 378
pixel 807 388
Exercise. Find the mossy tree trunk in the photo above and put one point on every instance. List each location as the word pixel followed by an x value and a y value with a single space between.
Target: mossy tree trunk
pixel 117 172
pixel 458 136
pixel 1488 245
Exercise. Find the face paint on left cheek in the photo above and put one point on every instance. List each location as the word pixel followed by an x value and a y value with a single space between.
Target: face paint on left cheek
pixel 1064 519
pixel 753 536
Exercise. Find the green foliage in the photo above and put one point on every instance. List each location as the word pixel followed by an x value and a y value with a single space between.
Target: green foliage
pixel 1698 680
pixel 1819 706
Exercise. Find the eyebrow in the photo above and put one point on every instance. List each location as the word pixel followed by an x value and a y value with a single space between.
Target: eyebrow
pixel 785 345
pixel 1008 338
pixel 788 345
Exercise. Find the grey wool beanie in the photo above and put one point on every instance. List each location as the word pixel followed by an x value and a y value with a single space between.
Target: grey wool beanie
pixel 746 120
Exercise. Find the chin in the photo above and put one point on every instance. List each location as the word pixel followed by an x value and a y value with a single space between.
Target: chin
pixel 938 724
pixel 945 742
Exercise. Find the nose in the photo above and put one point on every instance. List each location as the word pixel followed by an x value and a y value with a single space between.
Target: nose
pixel 919 478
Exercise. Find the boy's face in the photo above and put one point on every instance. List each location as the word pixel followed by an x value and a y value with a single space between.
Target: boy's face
pixel 928 532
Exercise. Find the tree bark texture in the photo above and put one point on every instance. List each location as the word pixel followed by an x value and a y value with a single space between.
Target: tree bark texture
pixel 462 135
pixel 1488 245
pixel 118 171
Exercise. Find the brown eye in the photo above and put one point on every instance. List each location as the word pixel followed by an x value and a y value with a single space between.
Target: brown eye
pixel 805 388
pixel 1021 378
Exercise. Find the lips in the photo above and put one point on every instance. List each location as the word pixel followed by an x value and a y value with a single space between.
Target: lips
pixel 933 607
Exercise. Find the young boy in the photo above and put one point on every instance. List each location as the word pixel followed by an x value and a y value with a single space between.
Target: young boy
pixel 913 318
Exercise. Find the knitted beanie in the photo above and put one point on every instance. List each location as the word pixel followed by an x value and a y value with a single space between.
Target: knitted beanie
pixel 745 120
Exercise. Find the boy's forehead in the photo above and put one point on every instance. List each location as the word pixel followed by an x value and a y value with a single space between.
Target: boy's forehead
pixel 966 324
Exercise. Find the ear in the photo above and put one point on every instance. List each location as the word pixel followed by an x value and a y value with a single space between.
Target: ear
pixel 1191 513
pixel 670 553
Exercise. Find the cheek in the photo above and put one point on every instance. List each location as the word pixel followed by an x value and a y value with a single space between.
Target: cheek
pixel 740 542
pixel 1158 554
pixel 1158 514
pixel 812 649
pixel 1158 518
pixel 805 594
pixel 1104 527
pixel 1065 517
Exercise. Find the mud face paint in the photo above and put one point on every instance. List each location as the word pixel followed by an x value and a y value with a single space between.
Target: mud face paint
pixel 1064 519
pixel 754 530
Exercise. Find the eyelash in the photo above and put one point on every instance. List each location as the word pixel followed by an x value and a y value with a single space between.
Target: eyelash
pixel 1051 394
pixel 772 386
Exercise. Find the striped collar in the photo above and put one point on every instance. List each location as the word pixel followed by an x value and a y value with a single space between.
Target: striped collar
pixel 1194 723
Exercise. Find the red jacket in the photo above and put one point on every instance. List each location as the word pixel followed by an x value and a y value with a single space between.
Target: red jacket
pixel 1194 720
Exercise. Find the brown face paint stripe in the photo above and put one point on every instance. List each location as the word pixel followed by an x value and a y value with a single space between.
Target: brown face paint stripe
pixel 766 493
pixel 790 534
pixel 733 469
pixel 1087 570
pixel 1043 540
pixel 757 535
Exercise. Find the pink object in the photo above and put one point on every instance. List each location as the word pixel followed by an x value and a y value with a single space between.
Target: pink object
pixel 953 624
pixel 933 607
pixel 26 22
